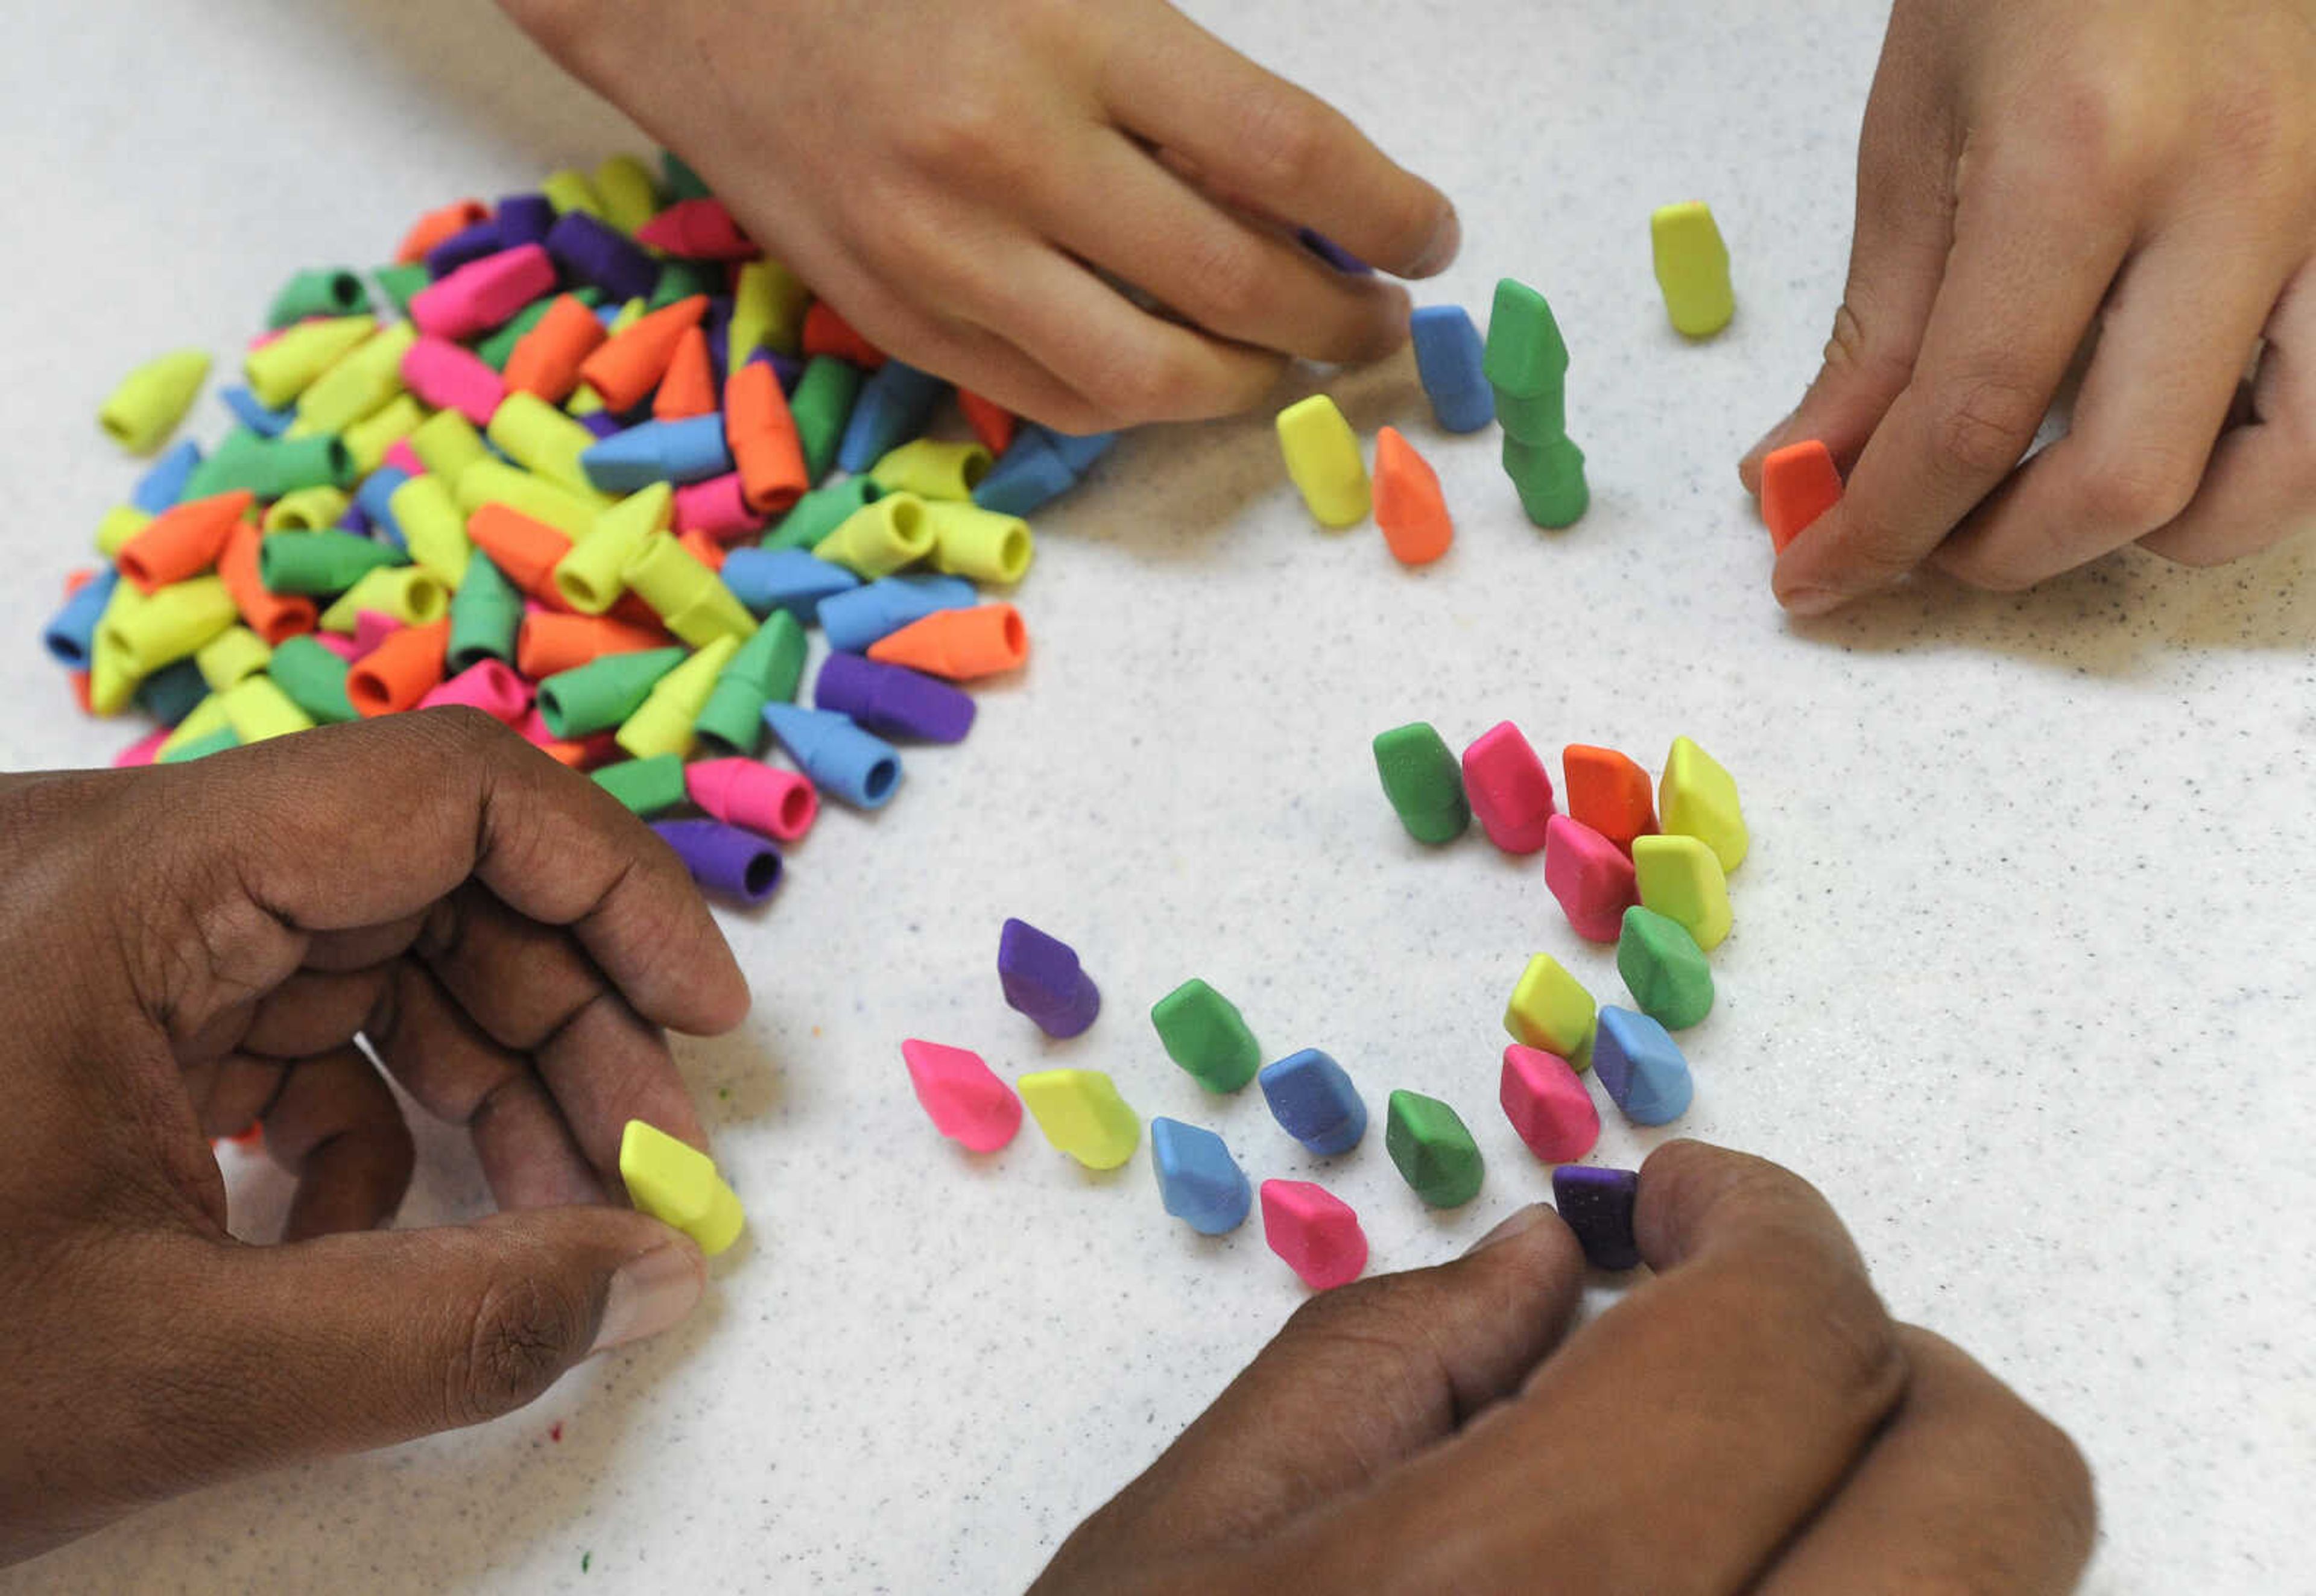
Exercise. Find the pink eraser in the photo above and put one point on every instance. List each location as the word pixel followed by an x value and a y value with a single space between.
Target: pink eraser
pixel 1591 876
pixel 1507 789
pixel 338 644
pixel 450 377
pixel 402 456
pixel 780 804
pixel 141 751
pixel 482 294
pixel 1546 1101
pixel 492 686
pixel 1316 1231
pixel 372 627
pixel 963 1097
pixel 716 506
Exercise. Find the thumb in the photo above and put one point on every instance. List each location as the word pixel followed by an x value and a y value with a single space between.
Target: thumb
pixel 350 1342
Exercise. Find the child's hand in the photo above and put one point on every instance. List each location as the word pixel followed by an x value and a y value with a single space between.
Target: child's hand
pixel 185 949
pixel 2032 171
pixel 961 179
pixel 1749 1420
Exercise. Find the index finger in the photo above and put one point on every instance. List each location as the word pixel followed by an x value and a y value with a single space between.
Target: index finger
pixel 1728 1395
pixel 1276 148
pixel 361 824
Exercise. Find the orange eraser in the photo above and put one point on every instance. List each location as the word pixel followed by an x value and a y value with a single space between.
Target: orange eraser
pixel 1799 484
pixel 958 644
pixel 762 434
pixel 183 540
pixel 274 616
pixel 75 580
pixel 992 422
pixel 525 551
pixel 436 225
pixel 1408 505
pixel 1608 793
pixel 703 548
pixel 398 673
pixel 81 688
pixel 628 366
pixel 547 643
pixel 826 333
pixel 545 361
pixel 688 388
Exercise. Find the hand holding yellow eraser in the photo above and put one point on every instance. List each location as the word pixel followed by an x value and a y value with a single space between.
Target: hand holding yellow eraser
pixel 677 1184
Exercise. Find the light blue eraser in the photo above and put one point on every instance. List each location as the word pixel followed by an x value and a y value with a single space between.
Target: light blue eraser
pixel 1641 1068
pixel 1199 1183
pixel 841 760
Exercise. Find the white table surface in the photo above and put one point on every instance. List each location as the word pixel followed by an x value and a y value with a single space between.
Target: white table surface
pixel 2021 975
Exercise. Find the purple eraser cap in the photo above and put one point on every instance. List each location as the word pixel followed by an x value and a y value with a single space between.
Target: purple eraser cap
pixel 468 243
pixel 892 700
pixel 602 423
pixel 790 370
pixel 592 251
pixel 1598 1205
pixel 724 859
pixel 1043 979
pixel 1334 253
pixel 524 219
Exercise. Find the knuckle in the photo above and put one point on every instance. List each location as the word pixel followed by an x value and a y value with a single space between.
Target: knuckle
pixel 2138 492
pixel 969 132
pixel 523 1336
pixel 2106 123
pixel 1982 425
pixel 1136 389
pixel 1859 349
pixel 1281 140
pixel 1230 277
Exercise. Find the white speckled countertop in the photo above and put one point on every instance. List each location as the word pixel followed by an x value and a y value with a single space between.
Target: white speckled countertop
pixel 2022 974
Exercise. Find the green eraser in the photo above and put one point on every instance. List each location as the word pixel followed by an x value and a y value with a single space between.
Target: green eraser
pixel 1424 781
pixel 1204 1033
pixel 1433 1148
pixel 1663 969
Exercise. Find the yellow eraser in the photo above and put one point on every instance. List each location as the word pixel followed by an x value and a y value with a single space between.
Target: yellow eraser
pixel 1551 1011
pixel 1693 269
pixel 1698 798
pixel 1681 878
pixel 1081 1114
pixel 677 1184
pixel 1322 457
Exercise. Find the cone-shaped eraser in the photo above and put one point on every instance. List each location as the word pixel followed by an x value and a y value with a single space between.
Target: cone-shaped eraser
pixel 1607 791
pixel 1042 979
pixel 1663 969
pixel 1681 878
pixel 1322 458
pixel 958 644
pixel 1315 1231
pixel 1447 360
pixel 600 694
pixel 962 1096
pixel 779 804
pixel 1692 266
pixel 1799 484
pixel 685 451
pixel 1029 475
pixel 893 407
pixel 1525 363
pixel 164 482
pixel 1508 789
pixel 1433 1149
pixel 893 701
pixel 861 769
pixel 1598 1205
pixel 1204 1033
pixel 1409 507
pixel 1591 876
pixel 1424 781
pixel 1544 1099
pixel 1313 1101
pixel 1082 1114
pixel 1550 1010
pixel 766 579
pixel 591 251
pixel 726 861
pixel 145 407
pixel 1698 798
pixel 1641 1068
pixel 856 621
pixel 1199 1181
pixel 677 1184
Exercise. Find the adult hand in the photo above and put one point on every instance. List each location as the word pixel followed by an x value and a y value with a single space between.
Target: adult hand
pixel 967 182
pixel 2032 171
pixel 1749 1419
pixel 187 948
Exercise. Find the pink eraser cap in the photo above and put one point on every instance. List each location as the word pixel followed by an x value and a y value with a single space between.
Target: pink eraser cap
pixel 1507 789
pixel 1547 1104
pixel 492 686
pixel 141 751
pixel 448 377
pixel 372 627
pixel 962 1096
pixel 779 804
pixel 1591 876
pixel 1316 1231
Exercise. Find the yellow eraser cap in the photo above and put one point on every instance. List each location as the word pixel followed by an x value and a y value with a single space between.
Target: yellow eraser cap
pixel 677 1184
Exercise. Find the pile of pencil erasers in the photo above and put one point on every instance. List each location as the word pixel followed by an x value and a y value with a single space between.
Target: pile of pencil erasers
pixel 590 462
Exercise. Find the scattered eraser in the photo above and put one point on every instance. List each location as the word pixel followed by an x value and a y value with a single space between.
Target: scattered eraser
pixel 1313 1101
pixel 677 1184
pixel 1692 269
pixel 1424 781
pixel 1544 1099
pixel 1199 1181
pixel 1043 980
pixel 1409 507
pixel 1608 793
pixel 728 862
pixel 1316 1231
pixel 1081 1114
pixel 962 1096
pixel 1508 790
pixel 1681 878
pixel 1550 1009
pixel 1323 458
pixel 892 700
pixel 1695 797
pixel 1447 356
pixel 1591 876
pixel 1641 1068
pixel 1598 1205
pixel 1664 969
pixel 1204 1033
pixel 1799 484
pixel 1433 1149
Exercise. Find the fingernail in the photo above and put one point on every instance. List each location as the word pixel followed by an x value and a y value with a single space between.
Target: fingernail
pixel 1815 601
pixel 1528 1218
pixel 1767 442
pixel 651 1292
pixel 1447 240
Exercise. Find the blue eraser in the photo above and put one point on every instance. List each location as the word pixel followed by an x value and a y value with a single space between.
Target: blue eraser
pixel 1448 350
pixel 1598 1204
pixel 374 498
pixel 687 451
pixel 855 619
pixel 1641 1068
pixel 1043 979
pixel 766 579
pixel 894 406
pixel 1029 475
pixel 257 416
pixel 164 482
pixel 893 701
pixel 1199 1181
pixel 1313 1101
pixel 841 760
pixel 70 636
pixel 170 693
pixel 1079 451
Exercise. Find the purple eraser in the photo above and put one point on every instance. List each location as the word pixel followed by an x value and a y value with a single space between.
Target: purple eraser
pixel 468 243
pixel 524 219
pixel 602 423
pixel 1043 980
pixel 1598 1205
pixel 1334 253
pixel 591 252
pixel 724 859
pixel 892 700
